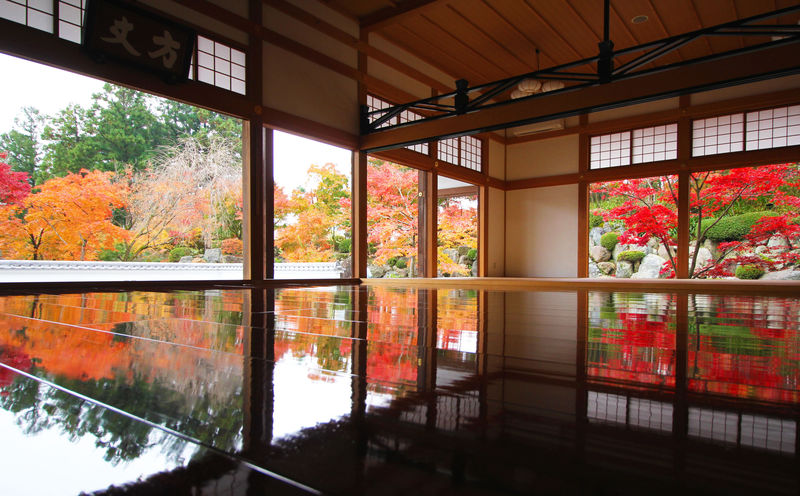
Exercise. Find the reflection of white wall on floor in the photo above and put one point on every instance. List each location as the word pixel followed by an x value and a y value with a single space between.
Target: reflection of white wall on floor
pixel 61 271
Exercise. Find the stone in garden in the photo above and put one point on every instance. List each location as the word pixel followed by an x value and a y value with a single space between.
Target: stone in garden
pixel 778 244
pixel 198 260
pixel 212 255
pixel 595 234
pixel 463 260
pixel 599 254
pixel 653 245
pixel 703 257
pixel 712 246
pixel 618 248
pixel 594 271
pixel 377 271
pixel 186 259
pixel 761 249
pixel 474 270
pixel 662 252
pixel 782 275
pixel 452 253
pixel 607 268
pixel 650 267
pixel 624 270
pixel 463 250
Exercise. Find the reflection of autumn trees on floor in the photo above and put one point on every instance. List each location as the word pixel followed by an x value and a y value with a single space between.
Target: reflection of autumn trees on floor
pixel 632 339
pixel 185 389
pixel 747 347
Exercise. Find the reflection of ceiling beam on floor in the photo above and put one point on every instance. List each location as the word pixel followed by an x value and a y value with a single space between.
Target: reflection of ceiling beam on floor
pixel 392 15
pixel 691 77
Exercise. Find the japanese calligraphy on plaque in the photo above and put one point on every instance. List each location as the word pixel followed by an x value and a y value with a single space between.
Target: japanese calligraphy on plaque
pixel 132 35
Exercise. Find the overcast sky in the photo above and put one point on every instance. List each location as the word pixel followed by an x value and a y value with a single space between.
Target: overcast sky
pixel 24 83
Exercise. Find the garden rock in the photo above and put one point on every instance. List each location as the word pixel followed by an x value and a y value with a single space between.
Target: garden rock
pixel 212 255
pixel 607 268
pixel 463 250
pixel 712 246
pixel 474 270
pixel 653 245
pixel 186 259
pixel 782 275
pixel 650 267
pixel 594 236
pixel 599 254
pixel 778 244
pixel 452 253
pixel 624 270
pixel 662 252
pixel 761 249
pixel 703 257
pixel 377 271
pixel 594 271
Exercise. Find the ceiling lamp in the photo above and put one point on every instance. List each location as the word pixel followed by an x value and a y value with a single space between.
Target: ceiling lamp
pixel 552 85
pixel 531 86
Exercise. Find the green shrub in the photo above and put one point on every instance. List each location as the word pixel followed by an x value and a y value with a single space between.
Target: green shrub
pixel 749 272
pixel 472 254
pixel 609 240
pixel 392 262
pixel 735 227
pixel 344 246
pixel 632 256
pixel 795 220
pixel 401 263
pixel 595 220
pixel 114 255
pixel 179 252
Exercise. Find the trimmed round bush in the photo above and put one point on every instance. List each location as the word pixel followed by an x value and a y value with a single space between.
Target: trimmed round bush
pixel 609 240
pixel 595 220
pixel 401 263
pixel 179 252
pixel 735 227
pixel 632 256
pixel 392 262
pixel 344 246
pixel 472 254
pixel 749 272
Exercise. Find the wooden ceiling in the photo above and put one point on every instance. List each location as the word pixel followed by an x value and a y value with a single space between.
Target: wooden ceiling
pixel 488 40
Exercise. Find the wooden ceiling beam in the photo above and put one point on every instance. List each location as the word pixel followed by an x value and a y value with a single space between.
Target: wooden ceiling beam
pixel 391 15
pixel 751 65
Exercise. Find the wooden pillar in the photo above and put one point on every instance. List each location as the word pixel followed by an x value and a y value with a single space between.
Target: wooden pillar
pixel 483 230
pixel 583 201
pixel 359 214
pixel 257 172
pixel 684 154
pixel 430 211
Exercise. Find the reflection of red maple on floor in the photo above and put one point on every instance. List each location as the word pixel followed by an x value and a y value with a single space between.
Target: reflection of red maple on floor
pixel 13 358
pixel 746 348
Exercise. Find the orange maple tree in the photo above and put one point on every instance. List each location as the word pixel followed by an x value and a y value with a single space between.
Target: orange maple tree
pixel 68 218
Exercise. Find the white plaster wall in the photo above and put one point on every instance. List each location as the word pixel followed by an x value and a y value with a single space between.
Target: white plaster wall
pixel 496 238
pixel 299 87
pixel 540 158
pixel 542 232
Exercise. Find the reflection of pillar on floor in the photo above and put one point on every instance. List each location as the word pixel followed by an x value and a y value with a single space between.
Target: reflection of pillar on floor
pixel 259 366
pixel 427 312
pixel 680 416
pixel 581 392
pixel 358 410
pixel 481 368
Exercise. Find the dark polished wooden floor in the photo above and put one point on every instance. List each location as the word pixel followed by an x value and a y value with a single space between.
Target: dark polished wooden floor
pixel 398 390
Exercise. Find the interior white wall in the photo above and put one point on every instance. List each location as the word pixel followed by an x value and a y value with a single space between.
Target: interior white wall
pixel 542 232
